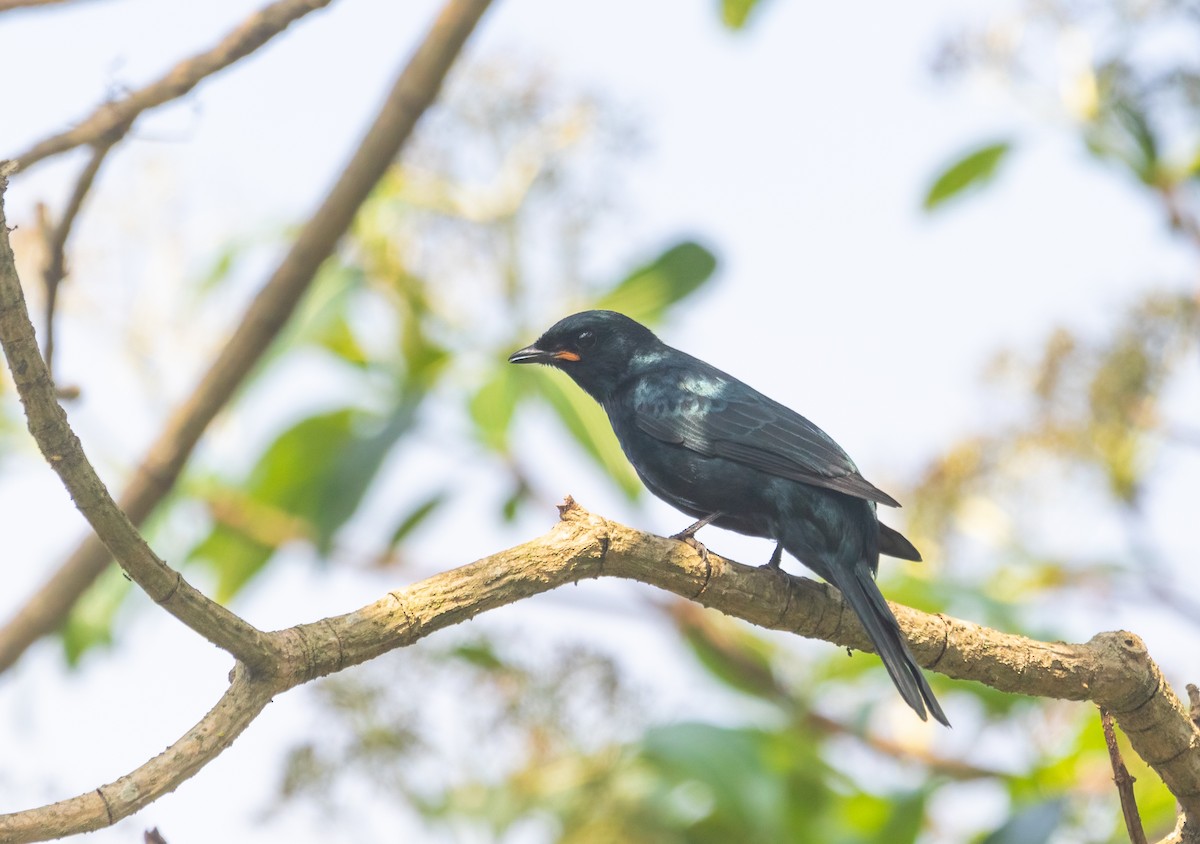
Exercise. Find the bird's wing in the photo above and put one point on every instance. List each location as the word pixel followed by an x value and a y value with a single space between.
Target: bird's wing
pixel 718 416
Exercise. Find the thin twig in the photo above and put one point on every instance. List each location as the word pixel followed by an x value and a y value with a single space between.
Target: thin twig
pixel 55 269
pixel 1123 780
pixel 1178 215
pixel 411 95
pixel 247 37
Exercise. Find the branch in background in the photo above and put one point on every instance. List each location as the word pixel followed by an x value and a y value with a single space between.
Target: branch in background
pixel 1113 669
pixel 411 95
pixel 1123 781
pixel 114 118
pixel 1179 215
pixel 48 424
pixel 56 239
pixel 9 5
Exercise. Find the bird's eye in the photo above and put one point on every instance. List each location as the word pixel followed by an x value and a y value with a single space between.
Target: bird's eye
pixel 585 340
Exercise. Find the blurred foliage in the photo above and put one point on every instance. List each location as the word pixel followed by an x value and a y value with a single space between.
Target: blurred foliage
pixel 736 13
pixel 1087 427
pixel 975 169
pixel 481 237
pixel 418 312
pixel 554 740
pixel 1123 76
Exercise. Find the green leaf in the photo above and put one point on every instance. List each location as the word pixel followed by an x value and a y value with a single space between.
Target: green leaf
pixel 752 785
pixel 1033 825
pixel 295 473
pixel 351 474
pixel 91 619
pixel 316 471
pixel 647 292
pixel 414 518
pixel 338 338
pixel 233 556
pixel 735 13
pixel 974 169
pixel 589 426
pixel 493 405
pixel 731 653
pixel 480 653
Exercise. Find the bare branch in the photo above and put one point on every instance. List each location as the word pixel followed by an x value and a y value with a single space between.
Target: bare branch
pixel 116 117
pixel 411 95
pixel 245 698
pixel 48 424
pixel 1113 669
pixel 1123 781
pixel 9 5
pixel 56 239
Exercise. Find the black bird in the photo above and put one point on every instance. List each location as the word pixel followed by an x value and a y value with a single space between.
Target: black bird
pixel 725 454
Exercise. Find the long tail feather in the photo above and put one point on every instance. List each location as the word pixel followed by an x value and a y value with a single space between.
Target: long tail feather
pixel 884 632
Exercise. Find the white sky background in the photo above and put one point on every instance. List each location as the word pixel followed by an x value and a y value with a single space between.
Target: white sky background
pixel 800 149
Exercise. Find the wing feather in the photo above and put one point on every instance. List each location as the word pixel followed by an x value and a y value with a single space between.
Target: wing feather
pixel 716 415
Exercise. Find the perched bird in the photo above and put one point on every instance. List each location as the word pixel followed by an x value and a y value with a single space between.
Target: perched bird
pixel 727 455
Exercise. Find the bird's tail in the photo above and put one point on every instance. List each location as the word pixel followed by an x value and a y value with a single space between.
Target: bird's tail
pixel 883 630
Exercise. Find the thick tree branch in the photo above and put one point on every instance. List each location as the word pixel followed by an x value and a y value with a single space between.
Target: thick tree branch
pixel 1113 669
pixel 49 427
pixel 413 92
pixel 114 118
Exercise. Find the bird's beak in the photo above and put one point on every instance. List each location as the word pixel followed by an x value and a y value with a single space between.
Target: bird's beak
pixel 532 354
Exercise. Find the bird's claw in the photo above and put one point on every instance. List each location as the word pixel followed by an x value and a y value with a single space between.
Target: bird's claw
pixel 694 543
pixel 688 535
pixel 776 558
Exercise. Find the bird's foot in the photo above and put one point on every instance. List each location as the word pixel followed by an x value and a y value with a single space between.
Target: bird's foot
pixel 776 558
pixel 690 531
pixel 696 544
pixel 688 535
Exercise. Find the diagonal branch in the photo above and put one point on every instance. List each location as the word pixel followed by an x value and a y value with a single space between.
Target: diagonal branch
pixel 49 427
pixel 245 698
pixel 1113 669
pixel 115 117
pixel 56 238
pixel 412 93
pixel 9 5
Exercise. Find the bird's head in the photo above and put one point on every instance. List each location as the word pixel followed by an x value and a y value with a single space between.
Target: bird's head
pixel 598 349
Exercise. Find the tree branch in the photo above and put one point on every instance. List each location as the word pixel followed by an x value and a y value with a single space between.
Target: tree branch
pixel 9 5
pixel 1123 780
pixel 118 115
pixel 413 92
pixel 245 698
pixel 1112 670
pixel 56 236
pixel 48 424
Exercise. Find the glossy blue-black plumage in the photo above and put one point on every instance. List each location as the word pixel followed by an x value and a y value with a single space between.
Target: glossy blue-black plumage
pixel 708 444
